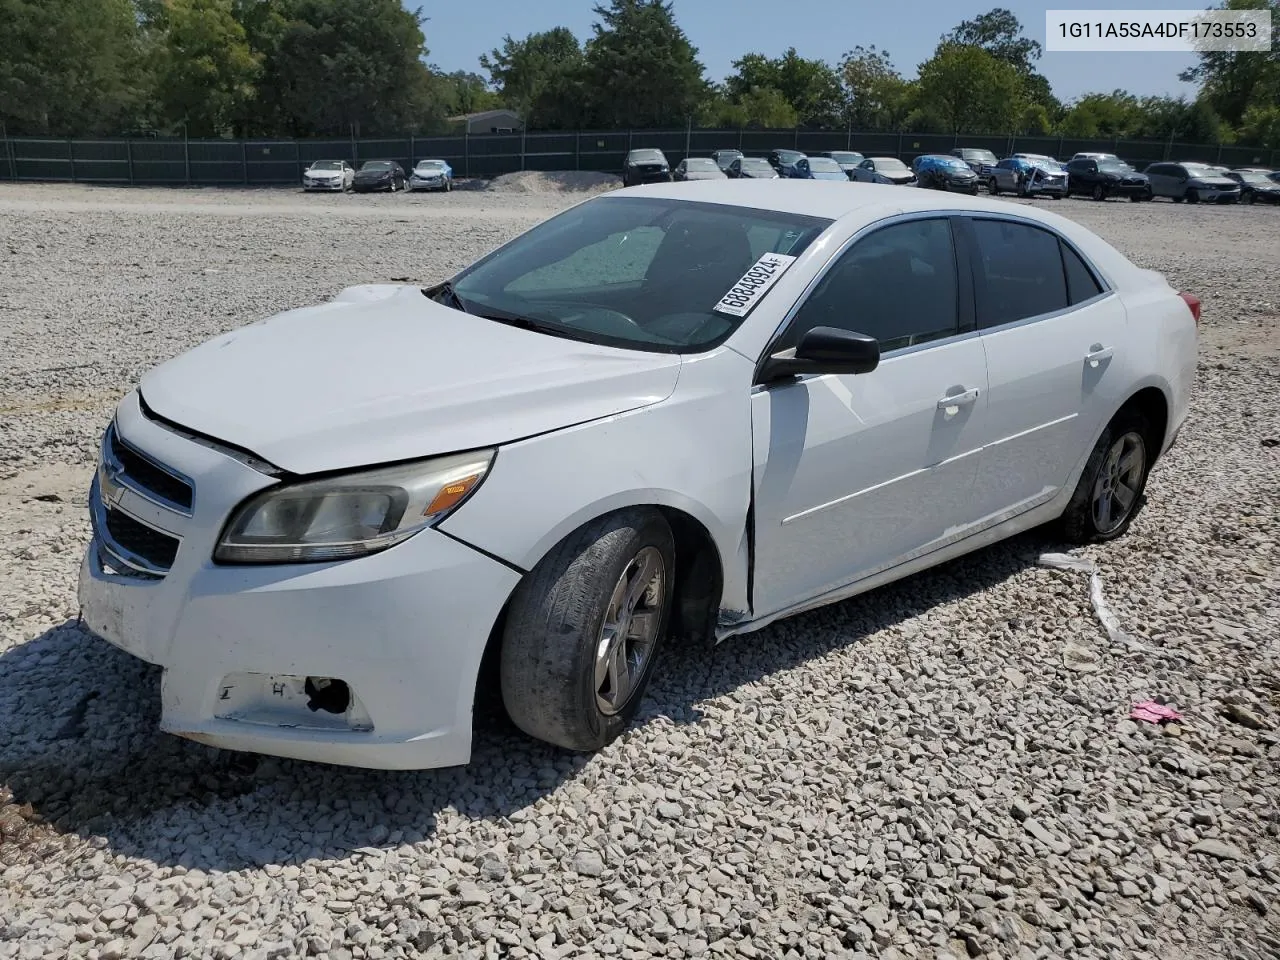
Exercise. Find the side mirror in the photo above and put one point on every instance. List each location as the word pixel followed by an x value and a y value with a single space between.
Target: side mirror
pixel 824 350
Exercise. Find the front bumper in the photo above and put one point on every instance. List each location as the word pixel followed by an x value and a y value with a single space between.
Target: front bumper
pixel 368 187
pixel 404 629
pixel 330 186
pixel 1128 189
pixel 437 183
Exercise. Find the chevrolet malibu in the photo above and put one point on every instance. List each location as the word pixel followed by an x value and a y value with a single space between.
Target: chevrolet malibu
pixel 667 413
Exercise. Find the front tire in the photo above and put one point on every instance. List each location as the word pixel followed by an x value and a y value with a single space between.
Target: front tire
pixel 1099 192
pixel 1193 196
pixel 584 628
pixel 1110 492
pixel 993 187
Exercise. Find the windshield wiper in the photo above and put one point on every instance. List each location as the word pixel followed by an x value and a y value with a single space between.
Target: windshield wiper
pixel 530 323
pixel 449 293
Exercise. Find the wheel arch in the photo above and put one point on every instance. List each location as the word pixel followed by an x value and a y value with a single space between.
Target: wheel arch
pixel 1152 402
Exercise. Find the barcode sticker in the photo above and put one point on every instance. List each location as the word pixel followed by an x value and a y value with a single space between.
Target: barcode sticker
pixel 746 293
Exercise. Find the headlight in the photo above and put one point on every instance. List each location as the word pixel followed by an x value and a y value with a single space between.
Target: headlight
pixel 350 515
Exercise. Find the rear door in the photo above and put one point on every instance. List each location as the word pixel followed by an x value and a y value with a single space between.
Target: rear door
pixel 856 474
pixel 1055 342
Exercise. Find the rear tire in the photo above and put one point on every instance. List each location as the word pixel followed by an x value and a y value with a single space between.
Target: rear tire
pixel 1110 491
pixel 584 629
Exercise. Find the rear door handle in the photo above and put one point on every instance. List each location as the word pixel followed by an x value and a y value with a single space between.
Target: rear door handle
pixel 1097 353
pixel 955 401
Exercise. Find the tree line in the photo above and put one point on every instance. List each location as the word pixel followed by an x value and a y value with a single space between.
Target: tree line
pixel 323 67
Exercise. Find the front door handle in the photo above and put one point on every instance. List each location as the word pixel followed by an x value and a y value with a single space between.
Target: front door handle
pixel 952 403
pixel 1097 353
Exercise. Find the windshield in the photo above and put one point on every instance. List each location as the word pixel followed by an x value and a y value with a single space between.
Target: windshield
pixel 889 163
pixel 756 163
pixel 696 164
pixel 824 165
pixel 728 154
pixel 637 272
pixel 986 156
pixel 789 156
pixel 1114 166
pixel 1255 178
pixel 953 163
pixel 327 165
pixel 1199 170
pixel 430 165
pixel 376 165
pixel 839 156
pixel 645 156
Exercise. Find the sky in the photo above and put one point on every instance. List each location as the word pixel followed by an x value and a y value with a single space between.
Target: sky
pixel 723 30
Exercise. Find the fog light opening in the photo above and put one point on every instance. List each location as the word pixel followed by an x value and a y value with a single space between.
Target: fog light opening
pixel 328 694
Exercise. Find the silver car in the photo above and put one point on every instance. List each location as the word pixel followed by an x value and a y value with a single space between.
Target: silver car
pixel 883 170
pixel 1191 182
pixel 1028 175
pixel 699 168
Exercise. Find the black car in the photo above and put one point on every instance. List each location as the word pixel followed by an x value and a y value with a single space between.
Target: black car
pixel 379 175
pixel 1104 178
pixel 979 159
pixel 848 160
pixel 1255 187
pixel 724 158
pixel 647 165
pixel 784 161
pixel 752 168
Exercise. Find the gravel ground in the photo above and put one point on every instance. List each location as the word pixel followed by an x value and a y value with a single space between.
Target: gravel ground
pixel 942 768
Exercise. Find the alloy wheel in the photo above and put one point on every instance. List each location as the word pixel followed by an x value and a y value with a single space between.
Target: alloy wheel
pixel 1119 482
pixel 629 633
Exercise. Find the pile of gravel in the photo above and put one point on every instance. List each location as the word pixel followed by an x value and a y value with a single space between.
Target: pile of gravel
pixel 552 182
pixel 942 768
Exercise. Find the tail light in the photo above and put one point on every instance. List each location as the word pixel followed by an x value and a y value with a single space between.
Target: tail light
pixel 1193 304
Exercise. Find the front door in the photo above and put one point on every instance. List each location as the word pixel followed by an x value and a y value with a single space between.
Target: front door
pixel 1055 346
pixel 855 474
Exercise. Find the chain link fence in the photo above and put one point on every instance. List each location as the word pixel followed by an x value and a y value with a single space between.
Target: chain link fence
pixel 180 161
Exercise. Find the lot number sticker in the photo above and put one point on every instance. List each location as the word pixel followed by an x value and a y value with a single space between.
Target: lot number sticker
pixel 744 294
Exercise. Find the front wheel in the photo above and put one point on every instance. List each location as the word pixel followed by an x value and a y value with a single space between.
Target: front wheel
pixel 1110 492
pixel 993 187
pixel 584 628
pixel 1193 196
pixel 1099 192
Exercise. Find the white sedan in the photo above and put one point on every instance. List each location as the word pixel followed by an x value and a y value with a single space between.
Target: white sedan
pixel 335 175
pixel 669 412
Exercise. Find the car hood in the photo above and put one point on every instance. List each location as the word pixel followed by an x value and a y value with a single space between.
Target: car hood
pixel 705 175
pixel 897 176
pixel 1211 181
pixel 382 374
pixel 324 174
pixel 373 174
pixel 428 172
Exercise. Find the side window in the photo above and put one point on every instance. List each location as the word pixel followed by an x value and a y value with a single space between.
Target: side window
pixel 867 165
pixel 1018 272
pixel 1081 283
pixel 897 285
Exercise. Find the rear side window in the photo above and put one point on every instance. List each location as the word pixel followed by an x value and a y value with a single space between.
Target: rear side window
pixel 1081 283
pixel 1018 272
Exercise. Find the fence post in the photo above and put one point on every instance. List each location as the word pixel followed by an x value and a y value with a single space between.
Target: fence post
pixel 71 155
pixel 128 152
pixel 688 136
pixel 899 153
pixel 244 163
pixel 466 151
pixel 8 152
pixel 739 139
pixel 186 153
pixel 577 150
pixel 413 150
pixel 522 148
pixel 795 142
pixel 1218 159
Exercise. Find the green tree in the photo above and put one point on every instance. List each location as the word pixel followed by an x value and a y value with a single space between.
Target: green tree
pixel 533 74
pixel 462 92
pixel 341 66
pixel 969 90
pixel 641 70
pixel 1235 83
pixel 811 87
pixel 999 32
pixel 71 67
pixel 877 96
pixel 205 71
pixel 1114 114
pixel 759 107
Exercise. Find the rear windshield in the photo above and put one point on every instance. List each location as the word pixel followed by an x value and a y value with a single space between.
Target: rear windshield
pixel 839 156
pixel 644 273
pixel 755 163
pixel 790 156
pixel 889 163
pixel 984 155
pixel 824 165
pixel 645 156
pixel 377 165
pixel 699 163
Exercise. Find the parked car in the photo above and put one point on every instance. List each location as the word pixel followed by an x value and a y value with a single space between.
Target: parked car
pixel 724 158
pixel 752 168
pixel 848 160
pixel 1102 179
pixel 699 168
pixel 431 175
pixel 334 175
pixel 980 161
pixel 1028 177
pixel 1089 155
pixel 1274 175
pixel 1191 182
pixel 819 168
pixel 784 161
pixel 646 166
pixel 379 175
pixel 318 558
pixel 938 172
pixel 1255 187
pixel 884 170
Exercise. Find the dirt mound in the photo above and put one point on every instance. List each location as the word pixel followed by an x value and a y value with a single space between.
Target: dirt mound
pixel 554 181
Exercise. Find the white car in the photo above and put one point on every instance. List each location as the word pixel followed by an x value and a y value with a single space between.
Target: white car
pixel 883 170
pixel 335 175
pixel 431 175
pixel 667 412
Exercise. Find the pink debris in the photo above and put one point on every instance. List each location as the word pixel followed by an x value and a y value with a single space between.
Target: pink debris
pixel 1153 712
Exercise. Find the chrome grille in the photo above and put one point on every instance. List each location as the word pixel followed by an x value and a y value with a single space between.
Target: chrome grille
pixel 145 476
pixel 156 548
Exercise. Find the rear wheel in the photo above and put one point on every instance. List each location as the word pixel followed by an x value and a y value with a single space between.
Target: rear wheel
pixel 584 629
pixel 1110 492
pixel 1249 198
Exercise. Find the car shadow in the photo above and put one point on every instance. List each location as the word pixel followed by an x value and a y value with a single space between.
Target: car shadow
pixel 81 754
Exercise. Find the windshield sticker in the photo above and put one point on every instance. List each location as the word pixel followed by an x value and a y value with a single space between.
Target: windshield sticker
pixel 744 294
